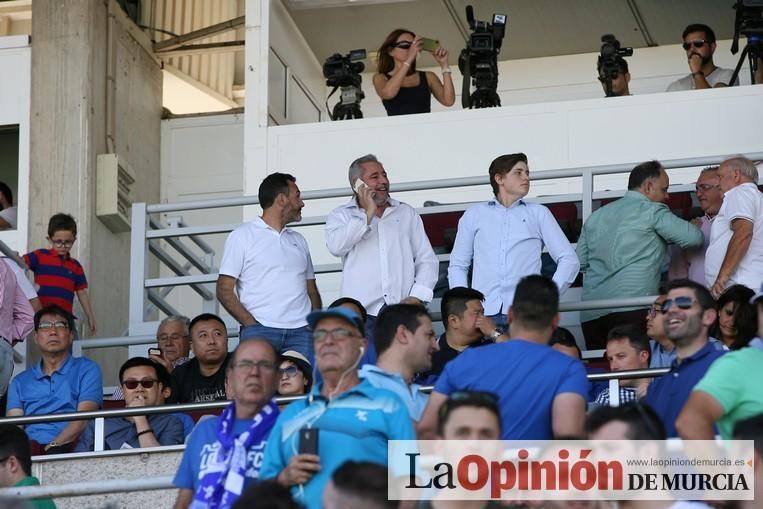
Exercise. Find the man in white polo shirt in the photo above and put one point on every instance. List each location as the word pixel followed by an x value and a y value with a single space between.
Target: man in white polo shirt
pixel 386 255
pixel 270 268
pixel 735 253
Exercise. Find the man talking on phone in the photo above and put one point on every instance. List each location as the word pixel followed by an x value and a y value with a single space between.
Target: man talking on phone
pixel 386 255
pixel 343 417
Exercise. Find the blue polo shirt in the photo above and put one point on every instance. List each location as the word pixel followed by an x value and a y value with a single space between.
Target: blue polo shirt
pixel 668 393
pixel 525 376
pixel 414 399
pixel 78 379
pixel 355 425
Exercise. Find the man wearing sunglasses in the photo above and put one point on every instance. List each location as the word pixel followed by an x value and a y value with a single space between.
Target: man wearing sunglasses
pixel 144 383
pixel 59 383
pixel 688 313
pixel 699 44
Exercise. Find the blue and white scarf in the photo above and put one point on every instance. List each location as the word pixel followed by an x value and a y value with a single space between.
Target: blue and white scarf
pixel 220 488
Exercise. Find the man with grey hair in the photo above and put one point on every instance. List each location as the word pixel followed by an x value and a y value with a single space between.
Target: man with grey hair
pixel 735 253
pixel 386 255
pixel 691 262
pixel 174 339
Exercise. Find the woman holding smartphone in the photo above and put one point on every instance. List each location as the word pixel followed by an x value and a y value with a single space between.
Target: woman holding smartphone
pixel 402 89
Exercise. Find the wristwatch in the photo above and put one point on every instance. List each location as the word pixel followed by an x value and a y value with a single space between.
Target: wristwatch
pixel 51 445
pixel 497 333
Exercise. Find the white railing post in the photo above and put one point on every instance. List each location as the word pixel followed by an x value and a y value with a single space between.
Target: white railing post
pixel 138 256
pixel 587 201
pixel 99 435
pixel 614 392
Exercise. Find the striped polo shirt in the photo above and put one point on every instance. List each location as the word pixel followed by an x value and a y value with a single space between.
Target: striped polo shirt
pixel 57 277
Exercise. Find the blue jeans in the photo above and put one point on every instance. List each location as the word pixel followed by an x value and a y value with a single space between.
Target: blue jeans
pixel 300 339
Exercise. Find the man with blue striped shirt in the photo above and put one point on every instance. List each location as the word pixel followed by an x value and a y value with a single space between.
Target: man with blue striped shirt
pixel 505 237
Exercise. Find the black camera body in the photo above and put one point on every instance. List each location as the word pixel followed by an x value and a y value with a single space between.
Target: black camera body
pixel 479 59
pixel 608 63
pixel 344 70
pixel 748 22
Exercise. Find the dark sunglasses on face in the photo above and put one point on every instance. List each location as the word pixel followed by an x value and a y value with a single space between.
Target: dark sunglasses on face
pixel 133 384
pixel 697 44
pixel 681 302
pixel 290 372
pixel 403 44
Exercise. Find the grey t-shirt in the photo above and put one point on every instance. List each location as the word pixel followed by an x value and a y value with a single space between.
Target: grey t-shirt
pixel 719 75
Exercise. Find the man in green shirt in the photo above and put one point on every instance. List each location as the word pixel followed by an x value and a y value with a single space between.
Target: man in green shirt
pixel 622 247
pixel 16 463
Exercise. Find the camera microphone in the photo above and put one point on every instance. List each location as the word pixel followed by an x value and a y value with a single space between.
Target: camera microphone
pixel 470 15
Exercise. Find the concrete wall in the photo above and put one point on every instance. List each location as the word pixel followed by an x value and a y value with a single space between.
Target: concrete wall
pixel 191 171
pixel 15 62
pixel 71 114
pixel 107 466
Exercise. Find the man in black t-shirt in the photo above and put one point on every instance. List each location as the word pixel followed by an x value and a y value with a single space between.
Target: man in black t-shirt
pixel 203 377
pixel 465 325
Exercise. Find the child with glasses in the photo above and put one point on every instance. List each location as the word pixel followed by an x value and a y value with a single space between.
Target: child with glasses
pixel 57 275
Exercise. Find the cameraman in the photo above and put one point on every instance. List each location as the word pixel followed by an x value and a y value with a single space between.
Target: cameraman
pixel 699 44
pixel 403 90
pixel 620 78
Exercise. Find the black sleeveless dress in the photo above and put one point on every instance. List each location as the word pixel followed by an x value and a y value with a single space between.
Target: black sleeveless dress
pixel 410 99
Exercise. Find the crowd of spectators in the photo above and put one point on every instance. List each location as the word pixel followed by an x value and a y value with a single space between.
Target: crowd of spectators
pixel 502 367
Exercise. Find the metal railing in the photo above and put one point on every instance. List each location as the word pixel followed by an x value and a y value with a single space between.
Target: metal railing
pixel 145 230
pixel 165 482
pixel 100 415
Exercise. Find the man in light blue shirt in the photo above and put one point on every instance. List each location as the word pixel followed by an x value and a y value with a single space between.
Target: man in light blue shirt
pixel 622 246
pixel 349 417
pixel 405 342
pixel 505 237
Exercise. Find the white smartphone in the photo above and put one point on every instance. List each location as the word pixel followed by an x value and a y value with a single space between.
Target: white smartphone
pixel 359 184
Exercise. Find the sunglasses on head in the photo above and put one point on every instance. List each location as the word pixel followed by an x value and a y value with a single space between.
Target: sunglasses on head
pixel 402 44
pixel 133 384
pixel 697 44
pixel 681 302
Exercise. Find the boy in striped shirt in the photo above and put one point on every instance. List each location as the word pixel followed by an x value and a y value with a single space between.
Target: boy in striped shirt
pixel 59 276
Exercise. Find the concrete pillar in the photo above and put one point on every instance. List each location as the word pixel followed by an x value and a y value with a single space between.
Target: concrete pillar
pixel 96 88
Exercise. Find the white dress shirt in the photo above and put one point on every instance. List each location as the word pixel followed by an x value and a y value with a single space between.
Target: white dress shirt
pixel 506 245
pixel 744 201
pixel 271 270
pixel 386 261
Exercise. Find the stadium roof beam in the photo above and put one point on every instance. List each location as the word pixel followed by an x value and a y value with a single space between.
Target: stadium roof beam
pixel 202 33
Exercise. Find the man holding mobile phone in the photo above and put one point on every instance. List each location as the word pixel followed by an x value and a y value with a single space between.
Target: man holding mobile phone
pixel 343 418
pixel 386 255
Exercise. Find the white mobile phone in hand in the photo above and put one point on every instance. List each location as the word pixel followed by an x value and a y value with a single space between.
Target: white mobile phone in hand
pixel 359 184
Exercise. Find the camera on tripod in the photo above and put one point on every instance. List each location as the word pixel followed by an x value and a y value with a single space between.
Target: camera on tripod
pixel 343 71
pixel 748 22
pixel 611 58
pixel 478 62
